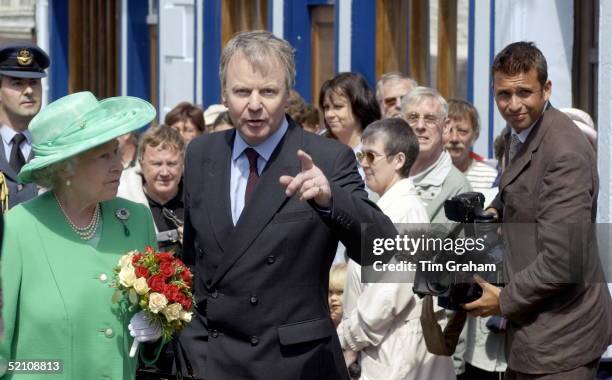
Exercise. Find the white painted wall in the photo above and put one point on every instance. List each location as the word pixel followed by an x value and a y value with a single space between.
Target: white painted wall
pixel 344 34
pixel 482 67
pixel 278 18
pixel 176 53
pixel 548 23
pixel 42 40
pixel 604 124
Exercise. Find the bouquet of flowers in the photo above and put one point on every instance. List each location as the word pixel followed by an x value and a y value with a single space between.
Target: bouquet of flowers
pixel 160 284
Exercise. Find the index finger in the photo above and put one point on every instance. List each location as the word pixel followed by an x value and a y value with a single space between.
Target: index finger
pixel 305 160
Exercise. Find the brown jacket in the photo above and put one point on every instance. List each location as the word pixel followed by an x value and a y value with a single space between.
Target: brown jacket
pixel 555 298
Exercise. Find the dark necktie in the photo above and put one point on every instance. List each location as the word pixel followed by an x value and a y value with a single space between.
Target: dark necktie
pixel 253 173
pixel 16 159
pixel 515 146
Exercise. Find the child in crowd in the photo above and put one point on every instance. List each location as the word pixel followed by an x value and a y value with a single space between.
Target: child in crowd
pixel 337 278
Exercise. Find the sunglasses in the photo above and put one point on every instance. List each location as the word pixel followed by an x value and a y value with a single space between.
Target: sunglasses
pixel 370 157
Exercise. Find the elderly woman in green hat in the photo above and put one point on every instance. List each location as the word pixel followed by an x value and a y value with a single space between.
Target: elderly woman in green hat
pixel 60 248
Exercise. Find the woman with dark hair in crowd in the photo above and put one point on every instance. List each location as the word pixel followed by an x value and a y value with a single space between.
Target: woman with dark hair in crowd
pixel 187 119
pixel 348 105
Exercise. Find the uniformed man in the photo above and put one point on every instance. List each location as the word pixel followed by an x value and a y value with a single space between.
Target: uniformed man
pixel 22 65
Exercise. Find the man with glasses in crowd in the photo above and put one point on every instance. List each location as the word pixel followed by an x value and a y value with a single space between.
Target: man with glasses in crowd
pixel 433 173
pixel 390 89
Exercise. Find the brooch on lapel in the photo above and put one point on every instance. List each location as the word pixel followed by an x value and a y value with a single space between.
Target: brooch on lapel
pixel 123 215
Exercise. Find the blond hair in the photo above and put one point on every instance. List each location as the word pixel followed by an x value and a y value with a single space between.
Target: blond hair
pixel 163 137
pixel 337 276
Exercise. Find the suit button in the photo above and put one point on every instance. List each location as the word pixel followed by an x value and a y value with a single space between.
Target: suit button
pixel 214 333
pixel 254 341
pixel 271 259
pixel 215 294
pixel 200 252
pixel 254 300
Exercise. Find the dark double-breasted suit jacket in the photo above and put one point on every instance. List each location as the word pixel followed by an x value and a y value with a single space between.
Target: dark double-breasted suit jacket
pixel 18 192
pixel 261 286
pixel 556 300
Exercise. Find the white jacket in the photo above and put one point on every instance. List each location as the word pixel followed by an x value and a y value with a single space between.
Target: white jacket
pixel 382 320
pixel 131 187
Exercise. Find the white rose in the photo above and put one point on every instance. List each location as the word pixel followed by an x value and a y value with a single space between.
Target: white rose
pixel 126 259
pixel 127 276
pixel 157 302
pixel 172 311
pixel 140 286
pixel 185 316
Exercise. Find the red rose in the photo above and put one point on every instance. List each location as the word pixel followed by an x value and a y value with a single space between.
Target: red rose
pixel 141 271
pixel 186 277
pixel 172 292
pixel 156 283
pixel 165 257
pixel 166 269
pixel 136 258
pixel 185 302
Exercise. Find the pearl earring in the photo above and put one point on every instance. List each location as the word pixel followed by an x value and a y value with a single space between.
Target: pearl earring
pixel 68 183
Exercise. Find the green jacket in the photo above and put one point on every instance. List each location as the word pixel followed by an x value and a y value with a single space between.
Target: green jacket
pixel 57 298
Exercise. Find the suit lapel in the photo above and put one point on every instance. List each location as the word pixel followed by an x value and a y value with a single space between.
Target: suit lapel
pixel 268 196
pixel 216 184
pixel 523 156
pixel 4 165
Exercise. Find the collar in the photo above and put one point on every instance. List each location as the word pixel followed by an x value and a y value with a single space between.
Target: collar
pixel 176 201
pixel 522 136
pixel 265 149
pixel 436 173
pixel 402 187
pixel 8 133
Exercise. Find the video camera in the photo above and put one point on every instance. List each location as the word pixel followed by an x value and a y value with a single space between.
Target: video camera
pixel 454 288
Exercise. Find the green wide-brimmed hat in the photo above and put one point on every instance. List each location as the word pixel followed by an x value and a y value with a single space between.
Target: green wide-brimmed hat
pixel 79 122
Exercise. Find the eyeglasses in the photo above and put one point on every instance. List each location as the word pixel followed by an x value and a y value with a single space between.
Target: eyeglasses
pixel 430 120
pixel 370 157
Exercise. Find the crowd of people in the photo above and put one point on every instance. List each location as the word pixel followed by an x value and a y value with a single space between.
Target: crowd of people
pixel 264 197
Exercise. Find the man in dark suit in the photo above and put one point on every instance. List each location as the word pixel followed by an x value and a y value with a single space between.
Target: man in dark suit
pixel 555 298
pixel 265 207
pixel 22 65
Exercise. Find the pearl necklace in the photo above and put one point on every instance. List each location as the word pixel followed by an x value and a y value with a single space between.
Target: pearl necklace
pixel 87 232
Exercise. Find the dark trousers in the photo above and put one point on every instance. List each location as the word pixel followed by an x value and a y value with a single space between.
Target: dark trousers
pixel 475 373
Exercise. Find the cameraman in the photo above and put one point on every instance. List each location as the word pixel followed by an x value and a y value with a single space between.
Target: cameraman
pixel 156 182
pixel 555 328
